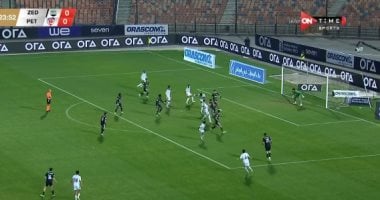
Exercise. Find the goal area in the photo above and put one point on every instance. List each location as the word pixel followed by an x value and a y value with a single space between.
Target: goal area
pixel 326 91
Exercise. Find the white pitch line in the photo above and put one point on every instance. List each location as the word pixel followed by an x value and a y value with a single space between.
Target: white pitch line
pixel 113 74
pixel 257 110
pixel 311 161
pixel 335 122
pixel 139 126
pixel 67 111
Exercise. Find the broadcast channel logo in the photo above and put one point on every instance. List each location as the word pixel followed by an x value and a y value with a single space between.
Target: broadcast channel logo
pixel 324 23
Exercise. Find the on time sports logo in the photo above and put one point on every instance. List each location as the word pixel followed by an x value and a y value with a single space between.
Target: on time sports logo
pixel 324 23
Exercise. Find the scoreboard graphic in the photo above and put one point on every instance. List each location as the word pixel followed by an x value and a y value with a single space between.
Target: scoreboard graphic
pixel 29 17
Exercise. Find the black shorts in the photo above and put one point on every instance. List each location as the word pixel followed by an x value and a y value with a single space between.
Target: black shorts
pixel 267 147
pixel 103 125
pixel 49 183
pixel 48 101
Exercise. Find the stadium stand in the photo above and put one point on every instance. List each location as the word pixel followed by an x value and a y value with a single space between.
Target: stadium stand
pixel 179 11
pixel 88 11
pixel 365 13
pixel 277 11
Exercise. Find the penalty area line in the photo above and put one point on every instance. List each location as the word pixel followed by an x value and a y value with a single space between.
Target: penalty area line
pixel 137 125
pixel 311 161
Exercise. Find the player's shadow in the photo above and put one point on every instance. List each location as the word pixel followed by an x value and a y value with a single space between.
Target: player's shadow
pixel 145 100
pixel 271 169
pixel 248 180
pixel 202 145
pixel 167 112
pixel 42 117
pixel 100 139
pixel 157 119
pixel 219 137
pixel 116 118
pixel 300 108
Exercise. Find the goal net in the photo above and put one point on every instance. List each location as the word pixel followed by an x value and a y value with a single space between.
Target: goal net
pixel 325 91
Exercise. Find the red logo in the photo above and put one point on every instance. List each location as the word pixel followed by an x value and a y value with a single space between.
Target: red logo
pixel 306 21
pixel 51 21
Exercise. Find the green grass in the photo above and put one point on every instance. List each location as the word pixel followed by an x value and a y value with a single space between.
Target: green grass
pixel 317 153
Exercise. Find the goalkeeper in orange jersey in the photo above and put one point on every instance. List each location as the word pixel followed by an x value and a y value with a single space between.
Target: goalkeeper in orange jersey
pixel 48 100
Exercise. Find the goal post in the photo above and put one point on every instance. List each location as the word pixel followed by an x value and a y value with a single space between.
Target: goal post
pixel 325 91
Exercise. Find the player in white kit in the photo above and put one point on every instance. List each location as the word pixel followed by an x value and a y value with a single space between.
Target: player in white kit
pixel 205 112
pixel 245 158
pixel 202 128
pixel 189 95
pixel 76 180
pixel 168 94
pixel 143 78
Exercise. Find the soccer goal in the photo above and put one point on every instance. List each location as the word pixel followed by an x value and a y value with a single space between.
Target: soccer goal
pixel 326 91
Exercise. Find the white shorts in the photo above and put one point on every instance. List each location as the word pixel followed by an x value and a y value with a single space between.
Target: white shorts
pixel 76 187
pixel 188 94
pixel 246 164
pixel 168 99
pixel 201 131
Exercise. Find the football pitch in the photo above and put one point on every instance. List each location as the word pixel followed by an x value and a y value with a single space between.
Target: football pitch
pixel 317 153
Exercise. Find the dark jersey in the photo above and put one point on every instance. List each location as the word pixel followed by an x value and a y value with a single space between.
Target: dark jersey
pixel 212 107
pixel 267 140
pixel 103 120
pixel 217 118
pixel 145 86
pixel 215 95
pixel 118 100
pixel 159 101
pixel 49 177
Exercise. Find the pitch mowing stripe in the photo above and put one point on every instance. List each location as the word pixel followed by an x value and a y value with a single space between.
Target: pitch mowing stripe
pixel 115 74
pixel 254 109
pixel 138 125
pixel 67 111
pixel 311 161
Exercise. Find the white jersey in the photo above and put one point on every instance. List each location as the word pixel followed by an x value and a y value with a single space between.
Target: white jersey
pixel 143 76
pixel 76 181
pixel 205 110
pixel 245 158
pixel 202 128
pixel 168 94
pixel 188 91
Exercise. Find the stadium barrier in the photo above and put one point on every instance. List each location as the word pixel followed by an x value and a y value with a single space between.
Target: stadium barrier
pixel 321 55
pixel 40 46
pixel 278 59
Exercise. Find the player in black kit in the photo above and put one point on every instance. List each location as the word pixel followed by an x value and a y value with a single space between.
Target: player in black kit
pixel 145 89
pixel 49 181
pixel 103 121
pixel 118 104
pixel 158 104
pixel 217 121
pixel 267 141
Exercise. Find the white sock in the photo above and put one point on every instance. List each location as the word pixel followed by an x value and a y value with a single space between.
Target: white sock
pixel 187 100
pixel 209 118
pixel 192 99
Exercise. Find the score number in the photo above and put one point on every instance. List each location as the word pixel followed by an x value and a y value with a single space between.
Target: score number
pixel 67 17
